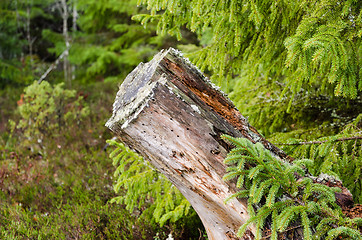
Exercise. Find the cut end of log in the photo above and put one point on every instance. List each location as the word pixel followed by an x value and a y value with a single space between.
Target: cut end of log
pixel 137 88
pixel 134 93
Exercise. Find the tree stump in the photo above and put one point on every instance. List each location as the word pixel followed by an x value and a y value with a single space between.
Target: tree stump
pixel 171 114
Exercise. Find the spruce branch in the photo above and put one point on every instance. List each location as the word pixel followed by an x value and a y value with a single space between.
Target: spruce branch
pixel 320 142
pixel 267 178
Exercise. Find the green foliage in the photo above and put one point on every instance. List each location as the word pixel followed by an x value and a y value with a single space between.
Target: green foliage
pixel 279 60
pixel 17 67
pixel 324 46
pixel 273 188
pixel 45 111
pixel 10 44
pixel 114 43
pixel 143 188
pixel 322 39
pixel 338 155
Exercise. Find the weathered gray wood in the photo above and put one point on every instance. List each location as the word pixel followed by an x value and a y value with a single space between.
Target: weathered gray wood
pixel 159 115
pixel 172 115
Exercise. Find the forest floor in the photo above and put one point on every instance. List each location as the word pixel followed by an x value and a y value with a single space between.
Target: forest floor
pixel 64 192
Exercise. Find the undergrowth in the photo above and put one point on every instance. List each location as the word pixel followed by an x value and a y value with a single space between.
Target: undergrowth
pixel 337 154
pixel 60 187
pixel 275 190
pixel 141 187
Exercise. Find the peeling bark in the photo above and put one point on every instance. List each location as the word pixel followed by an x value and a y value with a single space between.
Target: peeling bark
pixel 173 116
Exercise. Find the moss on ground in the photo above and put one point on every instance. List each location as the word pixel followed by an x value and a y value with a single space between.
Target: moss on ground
pixel 63 191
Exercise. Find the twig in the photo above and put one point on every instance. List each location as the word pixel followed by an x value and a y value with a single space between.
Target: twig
pixel 320 142
pixel 286 230
pixel 200 233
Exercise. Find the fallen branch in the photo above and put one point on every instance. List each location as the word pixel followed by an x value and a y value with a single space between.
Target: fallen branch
pixel 53 66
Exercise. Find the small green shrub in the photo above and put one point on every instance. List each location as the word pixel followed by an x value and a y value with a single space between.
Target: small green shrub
pixel 46 111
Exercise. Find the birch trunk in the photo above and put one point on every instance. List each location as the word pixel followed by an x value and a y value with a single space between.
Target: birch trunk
pixel 66 65
pixel 28 34
pixel 74 30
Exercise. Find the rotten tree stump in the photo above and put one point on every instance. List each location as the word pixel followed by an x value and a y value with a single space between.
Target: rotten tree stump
pixel 167 111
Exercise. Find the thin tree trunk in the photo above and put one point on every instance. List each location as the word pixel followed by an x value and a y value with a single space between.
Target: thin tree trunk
pixel 66 65
pixel 74 30
pixel 17 16
pixel 28 34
